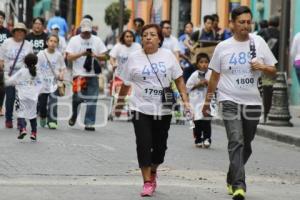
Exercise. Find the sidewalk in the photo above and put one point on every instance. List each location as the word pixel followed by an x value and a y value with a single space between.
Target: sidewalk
pixel 289 135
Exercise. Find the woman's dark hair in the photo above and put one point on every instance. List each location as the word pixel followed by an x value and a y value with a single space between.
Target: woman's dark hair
pixel 40 19
pixel 30 61
pixel 158 29
pixel 122 38
pixel 139 20
pixel 53 35
pixel 202 55
pixel 187 23
pixel 239 11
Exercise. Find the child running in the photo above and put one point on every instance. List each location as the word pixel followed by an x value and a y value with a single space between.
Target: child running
pixel 197 88
pixel 51 66
pixel 28 87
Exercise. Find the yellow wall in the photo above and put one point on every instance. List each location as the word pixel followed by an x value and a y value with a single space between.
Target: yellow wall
pixel 223 12
pixel 78 12
pixel 196 12
pixel 166 7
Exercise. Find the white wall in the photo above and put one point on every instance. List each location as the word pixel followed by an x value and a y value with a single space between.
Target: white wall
pixel 96 8
pixel 208 7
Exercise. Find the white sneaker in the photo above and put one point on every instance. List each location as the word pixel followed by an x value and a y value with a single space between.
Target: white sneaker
pixel 199 144
pixel 206 143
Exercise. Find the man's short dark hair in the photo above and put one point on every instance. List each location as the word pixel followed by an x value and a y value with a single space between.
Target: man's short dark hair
pixel 239 11
pixel 2 14
pixel 57 13
pixel 208 17
pixel 42 20
pixel 263 23
pixel 162 23
pixel 122 38
pixel 140 20
pixel 274 21
pixel 216 17
pixel 88 17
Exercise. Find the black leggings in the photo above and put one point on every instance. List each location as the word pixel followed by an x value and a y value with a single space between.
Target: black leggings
pixel 151 137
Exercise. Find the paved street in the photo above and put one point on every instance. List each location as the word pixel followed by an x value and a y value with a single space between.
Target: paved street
pixel 72 164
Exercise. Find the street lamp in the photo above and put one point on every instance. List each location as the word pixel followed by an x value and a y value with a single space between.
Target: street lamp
pixel 279 114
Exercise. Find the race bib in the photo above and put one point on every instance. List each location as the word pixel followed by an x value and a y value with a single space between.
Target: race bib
pixel 152 92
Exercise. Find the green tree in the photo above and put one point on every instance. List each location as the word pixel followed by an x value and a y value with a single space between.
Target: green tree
pixel 112 13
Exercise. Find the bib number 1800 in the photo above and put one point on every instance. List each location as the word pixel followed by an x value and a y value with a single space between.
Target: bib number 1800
pixel 243 81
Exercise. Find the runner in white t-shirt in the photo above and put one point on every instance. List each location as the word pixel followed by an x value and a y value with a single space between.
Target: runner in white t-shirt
pixel 151 119
pixel 51 66
pixel 197 88
pixel 235 70
pixel 8 53
pixel 170 42
pixel 29 85
pixel 119 53
pixel 85 51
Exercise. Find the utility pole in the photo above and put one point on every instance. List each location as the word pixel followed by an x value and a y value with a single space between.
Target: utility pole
pixel 279 114
pixel 121 17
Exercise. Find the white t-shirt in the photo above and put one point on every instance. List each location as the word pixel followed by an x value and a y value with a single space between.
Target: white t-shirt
pixel 171 43
pixel 78 45
pixel 62 45
pixel 146 90
pixel 121 52
pixel 57 63
pixel 8 52
pixel 197 96
pixel 238 83
pixel 28 89
pixel 295 50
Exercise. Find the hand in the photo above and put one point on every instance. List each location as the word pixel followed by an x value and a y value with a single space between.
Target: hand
pixel 206 110
pixel 204 82
pixel 255 65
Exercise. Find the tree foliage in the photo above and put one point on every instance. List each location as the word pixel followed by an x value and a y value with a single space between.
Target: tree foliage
pixel 112 13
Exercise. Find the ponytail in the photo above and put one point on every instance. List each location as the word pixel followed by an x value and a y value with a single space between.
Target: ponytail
pixel 30 61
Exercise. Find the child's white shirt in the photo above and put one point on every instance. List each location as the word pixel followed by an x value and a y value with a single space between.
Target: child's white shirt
pixel 197 96
pixel 28 89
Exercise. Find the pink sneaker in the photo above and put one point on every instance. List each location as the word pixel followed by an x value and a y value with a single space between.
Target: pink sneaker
pixel 153 180
pixel 148 189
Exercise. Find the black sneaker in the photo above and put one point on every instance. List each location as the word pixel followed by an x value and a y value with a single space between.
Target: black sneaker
pixel 89 128
pixel 22 134
pixel 72 121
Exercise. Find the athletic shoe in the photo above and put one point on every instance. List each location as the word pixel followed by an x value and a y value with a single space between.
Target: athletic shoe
pixel 229 189
pixel 206 143
pixel 1 111
pixel 198 142
pixel 9 124
pixel 22 134
pixel 148 190
pixel 153 180
pixel 43 122
pixel 238 194
pixel 72 121
pixel 33 136
pixel 52 125
pixel 89 128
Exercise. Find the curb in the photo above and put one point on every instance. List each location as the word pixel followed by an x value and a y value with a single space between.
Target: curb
pixel 270 134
